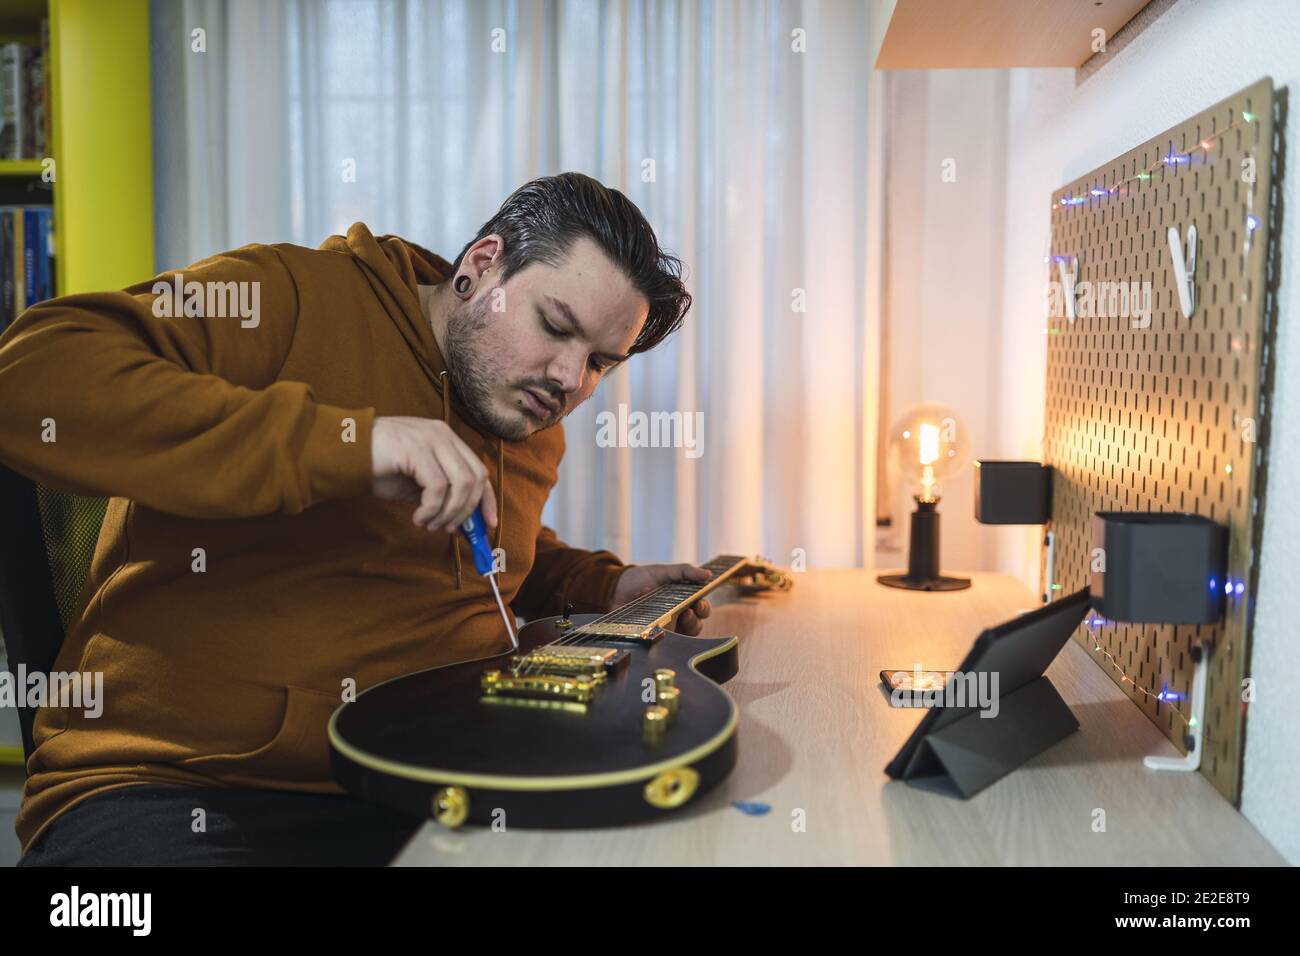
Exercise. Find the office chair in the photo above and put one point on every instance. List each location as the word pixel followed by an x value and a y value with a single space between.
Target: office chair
pixel 47 539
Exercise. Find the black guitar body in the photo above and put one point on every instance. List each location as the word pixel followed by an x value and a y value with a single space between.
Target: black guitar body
pixel 434 743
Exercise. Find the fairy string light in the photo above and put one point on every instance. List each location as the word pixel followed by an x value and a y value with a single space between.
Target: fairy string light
pixel 1120 186
pixel 1173 159
pixel 1164 697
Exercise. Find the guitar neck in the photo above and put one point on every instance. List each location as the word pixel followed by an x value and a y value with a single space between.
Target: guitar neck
pixel 640 616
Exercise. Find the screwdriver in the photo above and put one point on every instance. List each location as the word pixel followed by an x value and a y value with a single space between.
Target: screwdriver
pixel 475 531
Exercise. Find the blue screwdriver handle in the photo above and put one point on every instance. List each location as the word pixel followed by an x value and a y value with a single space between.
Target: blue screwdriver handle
pixel 475 531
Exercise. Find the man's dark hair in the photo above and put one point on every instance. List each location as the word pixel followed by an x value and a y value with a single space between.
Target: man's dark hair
pixel 542 218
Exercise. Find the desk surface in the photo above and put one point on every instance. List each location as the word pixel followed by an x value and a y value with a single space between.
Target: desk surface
pixel 816 732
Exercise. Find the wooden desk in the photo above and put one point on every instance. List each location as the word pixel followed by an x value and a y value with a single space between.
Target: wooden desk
pixel 816 732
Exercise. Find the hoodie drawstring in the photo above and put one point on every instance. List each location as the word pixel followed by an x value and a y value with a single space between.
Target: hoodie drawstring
pixel 446 417
pixel 501 488
pixel 501 481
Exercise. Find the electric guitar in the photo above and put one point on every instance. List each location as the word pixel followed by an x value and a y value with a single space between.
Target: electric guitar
pixel 596 720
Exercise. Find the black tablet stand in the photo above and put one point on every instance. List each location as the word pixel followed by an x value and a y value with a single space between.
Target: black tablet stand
pixel 966 756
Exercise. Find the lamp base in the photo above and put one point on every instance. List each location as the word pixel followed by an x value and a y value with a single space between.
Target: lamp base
pixel 940 583
pixel 923 554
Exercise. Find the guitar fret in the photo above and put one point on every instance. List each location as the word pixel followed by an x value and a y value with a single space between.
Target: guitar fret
pixel 644 611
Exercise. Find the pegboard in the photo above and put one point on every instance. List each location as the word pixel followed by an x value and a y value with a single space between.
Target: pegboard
pixel 1157 411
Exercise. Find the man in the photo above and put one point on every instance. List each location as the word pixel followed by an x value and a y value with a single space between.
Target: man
pixel 290 438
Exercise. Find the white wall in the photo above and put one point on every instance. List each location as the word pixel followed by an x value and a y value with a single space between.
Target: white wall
pixel 943 271
pixel 1194 54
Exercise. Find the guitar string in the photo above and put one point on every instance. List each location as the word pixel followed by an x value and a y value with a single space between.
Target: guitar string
pixel 581 639
pixel 630 606
pixel 577 639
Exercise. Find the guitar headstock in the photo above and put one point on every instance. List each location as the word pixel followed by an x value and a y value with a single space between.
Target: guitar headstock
pixel 759 574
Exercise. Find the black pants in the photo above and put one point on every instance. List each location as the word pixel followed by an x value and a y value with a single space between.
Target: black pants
pixel 156 824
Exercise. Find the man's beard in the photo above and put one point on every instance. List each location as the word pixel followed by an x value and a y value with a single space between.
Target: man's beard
pixel 475 371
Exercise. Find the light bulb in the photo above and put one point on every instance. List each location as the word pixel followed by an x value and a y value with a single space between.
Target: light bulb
pixel 928 445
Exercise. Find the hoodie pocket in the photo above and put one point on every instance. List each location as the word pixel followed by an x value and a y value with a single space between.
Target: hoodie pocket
pixel 299 751
pixel 52 721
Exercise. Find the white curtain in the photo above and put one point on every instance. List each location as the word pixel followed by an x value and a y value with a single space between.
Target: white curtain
pixel 741 129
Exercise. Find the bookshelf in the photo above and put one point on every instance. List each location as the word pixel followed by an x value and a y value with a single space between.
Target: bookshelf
pixel 20 167
pixel 101 144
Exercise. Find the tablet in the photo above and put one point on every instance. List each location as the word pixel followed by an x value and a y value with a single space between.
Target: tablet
pixel 1018 651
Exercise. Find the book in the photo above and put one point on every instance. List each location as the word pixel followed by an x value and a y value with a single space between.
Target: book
pixel 47 107
pixel 7 307
pixel 11 100
pixel 27 260
pixel 31 229
pixel 44 251
pixel 25 98
pixel 16 254
pixel 51 276
pixel 34 103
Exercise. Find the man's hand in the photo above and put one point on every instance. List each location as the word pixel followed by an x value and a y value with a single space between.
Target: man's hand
pixel 643 578
pixel 423 461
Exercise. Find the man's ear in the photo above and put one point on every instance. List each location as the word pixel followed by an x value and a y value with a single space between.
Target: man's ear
pixel 482 255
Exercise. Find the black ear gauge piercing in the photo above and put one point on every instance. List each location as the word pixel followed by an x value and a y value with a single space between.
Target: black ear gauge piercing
pixel 461 284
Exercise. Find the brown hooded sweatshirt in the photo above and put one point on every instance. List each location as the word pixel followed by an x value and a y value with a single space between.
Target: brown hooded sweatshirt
pixel 251 442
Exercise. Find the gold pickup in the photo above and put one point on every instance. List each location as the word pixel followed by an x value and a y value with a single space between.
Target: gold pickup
pixel 635 632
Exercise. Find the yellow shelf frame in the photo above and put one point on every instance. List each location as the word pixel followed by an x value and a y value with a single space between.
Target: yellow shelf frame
pixel 102 146
pixel 20 167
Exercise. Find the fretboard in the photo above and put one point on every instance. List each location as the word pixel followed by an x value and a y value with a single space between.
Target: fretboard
pixel 663 604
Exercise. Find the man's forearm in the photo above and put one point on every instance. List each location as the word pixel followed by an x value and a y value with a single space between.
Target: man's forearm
pixel 104 397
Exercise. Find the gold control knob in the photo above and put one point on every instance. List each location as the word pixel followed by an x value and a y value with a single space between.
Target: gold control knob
pixel 669 698
pixel 451 807
pixel 654 723
pixel 672 788
pixel 664 678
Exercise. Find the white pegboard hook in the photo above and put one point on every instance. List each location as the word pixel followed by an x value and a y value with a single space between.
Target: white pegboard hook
pixel 1184 265
pixel 1195 738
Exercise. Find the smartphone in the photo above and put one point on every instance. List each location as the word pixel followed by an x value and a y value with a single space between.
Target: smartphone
pixel 907 680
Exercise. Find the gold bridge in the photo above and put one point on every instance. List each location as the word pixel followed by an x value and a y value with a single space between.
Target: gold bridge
pixel 556 672
pixel 547 686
